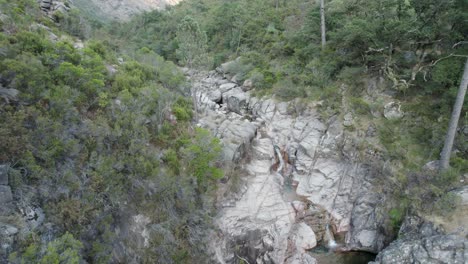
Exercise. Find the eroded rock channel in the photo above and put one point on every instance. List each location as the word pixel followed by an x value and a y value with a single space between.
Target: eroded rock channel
pixel 302 180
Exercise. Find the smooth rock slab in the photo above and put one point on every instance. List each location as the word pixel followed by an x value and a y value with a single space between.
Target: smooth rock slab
pixel 305 238
pixel 262 149
pixel 226 87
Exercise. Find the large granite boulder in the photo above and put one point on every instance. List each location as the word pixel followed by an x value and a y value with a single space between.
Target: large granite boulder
pixel 235 100
pixel 436 249
pixel 392 110
pixel 369 229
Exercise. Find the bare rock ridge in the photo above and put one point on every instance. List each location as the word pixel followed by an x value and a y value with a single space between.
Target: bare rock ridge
pixel 281 212
pixel 305 181
pixel 122 9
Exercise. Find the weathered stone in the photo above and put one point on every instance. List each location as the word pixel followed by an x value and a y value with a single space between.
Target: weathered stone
pixel 304 238
pixel 325 168
pixel 4 174
pixel 123 10
pixel 432 166
pixel 9 94
pixel 392 110
pixel 348 120
pixel 226 87
pixel 5 194
pixel 371 131
pixel 369 231
pixel 235 100
pixel 111 69
pixel 78 44
pixel 7 239
pixel 432 250
pixel 33 216
pixel 415 227
pixel 215 96
pixel 299 208
pixel 140 230
pixel 247 85
pixel 262 149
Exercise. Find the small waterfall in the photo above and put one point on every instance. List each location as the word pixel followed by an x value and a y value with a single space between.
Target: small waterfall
pixel 280 157
pixel 330 238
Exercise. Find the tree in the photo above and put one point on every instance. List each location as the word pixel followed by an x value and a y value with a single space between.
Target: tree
pixel 203 156
pixel 322 22
pixel 446 151
pixel 65 249
pixel 192 44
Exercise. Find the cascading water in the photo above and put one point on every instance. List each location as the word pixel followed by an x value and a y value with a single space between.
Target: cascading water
pixel 280 157
pixel 330 238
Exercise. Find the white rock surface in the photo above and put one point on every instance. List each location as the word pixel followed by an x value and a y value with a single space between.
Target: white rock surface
pixel 392 110
pixel 318 158
pixel 304 237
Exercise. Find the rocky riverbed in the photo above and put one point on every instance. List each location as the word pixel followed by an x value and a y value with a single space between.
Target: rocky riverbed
pixel 283 210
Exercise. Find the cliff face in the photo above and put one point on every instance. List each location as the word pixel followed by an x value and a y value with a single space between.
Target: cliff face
pixel 302 178
pixel 121 9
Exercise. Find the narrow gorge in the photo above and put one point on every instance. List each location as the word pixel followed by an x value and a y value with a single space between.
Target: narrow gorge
pixel 233 132
pixel 299 176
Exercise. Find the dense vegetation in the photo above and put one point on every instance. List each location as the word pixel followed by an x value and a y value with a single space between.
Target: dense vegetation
pixel 95 140
pixel 102 133
pixel 417 47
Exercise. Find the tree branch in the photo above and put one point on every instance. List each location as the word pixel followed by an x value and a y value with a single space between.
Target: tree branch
pixel 446 57
pixel 459 43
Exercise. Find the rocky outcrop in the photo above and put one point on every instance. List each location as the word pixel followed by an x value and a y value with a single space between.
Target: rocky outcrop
pixel 7 231
pixel 423 241
pixel 320 167
pixel 369 230
pixel 433 249
pixel 6 195
pixel 51 7
pixel 9 95
pixel 7 239
pixel 122 10
pixel 392 110
pixel 19 215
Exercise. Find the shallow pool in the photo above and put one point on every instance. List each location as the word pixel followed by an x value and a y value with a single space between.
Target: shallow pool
pixel 324 256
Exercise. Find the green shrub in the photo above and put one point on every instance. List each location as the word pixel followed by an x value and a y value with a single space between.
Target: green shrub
pixel 397 215
pixel 359 105
pixel 240 69
pixel 182 109
pixel 287 89
pixel 170 157
pixel 202 156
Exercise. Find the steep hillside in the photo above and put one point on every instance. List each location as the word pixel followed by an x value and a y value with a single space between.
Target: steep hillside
pixel 120 9
pixel 96 148
pixel 227 132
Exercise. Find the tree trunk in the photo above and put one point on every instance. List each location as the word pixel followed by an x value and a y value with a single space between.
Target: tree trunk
pixel 447 150
pixel 322 22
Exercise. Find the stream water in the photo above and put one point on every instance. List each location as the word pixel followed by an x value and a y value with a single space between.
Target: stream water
pixel 325 256
pixel 326 253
